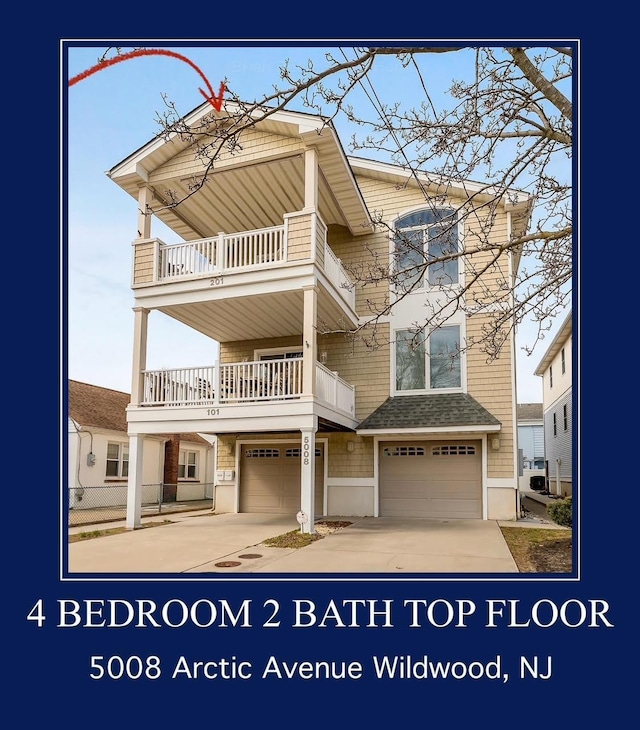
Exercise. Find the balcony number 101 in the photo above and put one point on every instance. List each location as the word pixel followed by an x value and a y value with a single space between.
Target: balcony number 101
pixel 213 411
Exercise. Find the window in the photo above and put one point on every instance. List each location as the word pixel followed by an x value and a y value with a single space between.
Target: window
pixel 555 425
pixel 262 454
pixel 187 465
pixel 410 361
pixel 565 418
pixel 117 460
pixel 421 237
pixel 442 350
pixel 550 376
pixel 454 450
pixel 404 451
pixel 563 361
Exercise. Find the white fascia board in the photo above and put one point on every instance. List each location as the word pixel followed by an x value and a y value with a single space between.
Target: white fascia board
pixel 555 346
pixel 512 199
pixel 408 432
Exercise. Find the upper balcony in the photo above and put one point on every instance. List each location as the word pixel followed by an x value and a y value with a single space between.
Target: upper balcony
pixel 234 286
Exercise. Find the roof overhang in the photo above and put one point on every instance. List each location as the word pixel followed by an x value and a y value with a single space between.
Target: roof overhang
pixel 556 345
pixel 243 185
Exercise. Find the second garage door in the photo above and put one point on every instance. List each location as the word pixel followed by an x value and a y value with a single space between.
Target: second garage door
pixel 270 479
pixel 431 479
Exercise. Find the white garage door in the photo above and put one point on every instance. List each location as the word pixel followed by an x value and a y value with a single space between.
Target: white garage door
pixel 431 479
pixel 270 479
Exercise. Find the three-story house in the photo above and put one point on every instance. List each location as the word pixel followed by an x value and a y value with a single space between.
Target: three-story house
pixel 324 396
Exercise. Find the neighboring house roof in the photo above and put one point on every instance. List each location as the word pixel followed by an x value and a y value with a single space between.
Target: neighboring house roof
pixel 92 406
pixel 529 412
pixel 556 344
pixel 438 410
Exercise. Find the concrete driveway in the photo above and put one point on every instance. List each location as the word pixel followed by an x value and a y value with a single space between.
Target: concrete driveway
pixel 205 543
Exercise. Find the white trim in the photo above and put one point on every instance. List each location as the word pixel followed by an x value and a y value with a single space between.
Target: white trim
pixel 261 442
pixel 466 187
pixel 502 483
pixel 485 478
pixel 350 481
pixel 278 351
pixel 402 433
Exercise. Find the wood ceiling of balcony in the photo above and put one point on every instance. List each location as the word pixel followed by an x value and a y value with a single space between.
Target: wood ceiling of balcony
pixel 255 317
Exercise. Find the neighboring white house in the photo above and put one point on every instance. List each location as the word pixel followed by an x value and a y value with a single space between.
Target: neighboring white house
pixel 174 466
pixel 530 442
pixel 556 370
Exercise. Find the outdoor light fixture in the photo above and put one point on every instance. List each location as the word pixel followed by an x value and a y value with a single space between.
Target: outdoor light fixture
pixel 495 443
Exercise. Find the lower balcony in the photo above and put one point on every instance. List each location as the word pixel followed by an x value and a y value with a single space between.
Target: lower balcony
pixel 239 396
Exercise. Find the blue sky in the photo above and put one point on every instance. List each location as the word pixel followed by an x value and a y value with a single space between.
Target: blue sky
pixel 112 113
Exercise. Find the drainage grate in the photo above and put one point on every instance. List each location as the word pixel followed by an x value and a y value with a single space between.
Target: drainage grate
pixel 250 556
pixel 228 564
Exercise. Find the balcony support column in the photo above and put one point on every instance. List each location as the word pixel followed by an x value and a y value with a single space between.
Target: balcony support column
pixel 145 196
pixel 311 180
pixel 309 340
pixel 140 323
pixel 134 483
pixel 308 477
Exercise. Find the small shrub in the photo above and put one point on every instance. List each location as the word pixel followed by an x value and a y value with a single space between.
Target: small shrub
pixel 561 512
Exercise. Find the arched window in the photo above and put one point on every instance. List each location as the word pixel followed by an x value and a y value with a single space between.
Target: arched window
pixel 421 237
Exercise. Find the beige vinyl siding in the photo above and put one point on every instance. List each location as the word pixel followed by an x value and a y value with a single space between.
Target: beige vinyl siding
pixel 491 385
pixel 351 464
pixel 143 258
pixel 357 254
pixel 254 147
pixel 299 229
pixel 363 364
pixel 238 351
pixel 226 451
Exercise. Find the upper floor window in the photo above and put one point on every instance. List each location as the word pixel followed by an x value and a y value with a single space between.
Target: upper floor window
pixel 563 361
pixel 422 237
pixel 117 460
pixel 550 376
pixel 428 364
pixel 187 465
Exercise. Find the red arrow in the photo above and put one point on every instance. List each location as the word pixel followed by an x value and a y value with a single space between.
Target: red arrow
pixel 215 101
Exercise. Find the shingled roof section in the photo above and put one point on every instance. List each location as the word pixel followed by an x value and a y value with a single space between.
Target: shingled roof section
pixel 437 410
pixel 529 411
pixel 92 406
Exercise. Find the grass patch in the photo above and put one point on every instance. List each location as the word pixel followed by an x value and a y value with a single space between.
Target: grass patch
pixel 294 539
pixel 540 550
pixel 92 534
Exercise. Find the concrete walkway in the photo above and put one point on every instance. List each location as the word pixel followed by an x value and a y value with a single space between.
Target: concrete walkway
pixel 205 543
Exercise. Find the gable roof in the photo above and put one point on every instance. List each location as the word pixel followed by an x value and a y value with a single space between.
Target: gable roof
pixel 92 406
pixel 437 411
pixel 529 411
pixel 558 341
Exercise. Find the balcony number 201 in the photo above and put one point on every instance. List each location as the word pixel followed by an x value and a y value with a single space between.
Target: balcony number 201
pixel 216 281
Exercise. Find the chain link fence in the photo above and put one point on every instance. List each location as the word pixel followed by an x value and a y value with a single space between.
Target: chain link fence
pixel 108 503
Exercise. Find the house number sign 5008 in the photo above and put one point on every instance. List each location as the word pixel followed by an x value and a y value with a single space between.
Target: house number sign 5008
pixel 305 449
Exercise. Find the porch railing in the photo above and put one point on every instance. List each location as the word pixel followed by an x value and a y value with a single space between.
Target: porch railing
pixel 242 382
pixel 222 253
pixel 234 252
pixel 334 391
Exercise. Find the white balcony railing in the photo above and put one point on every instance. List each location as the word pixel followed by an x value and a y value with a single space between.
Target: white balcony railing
pixel 334 391
pixel 337 275
pixel 245 251
pixel 244 382
pixel 222 253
